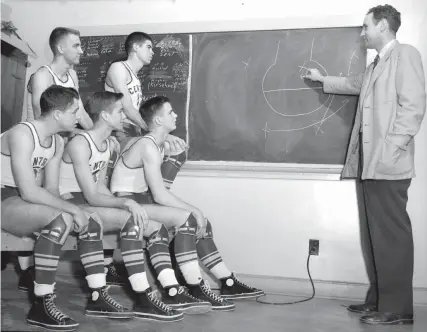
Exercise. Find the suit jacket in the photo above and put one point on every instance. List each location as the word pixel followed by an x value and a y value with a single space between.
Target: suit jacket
pixel 392 104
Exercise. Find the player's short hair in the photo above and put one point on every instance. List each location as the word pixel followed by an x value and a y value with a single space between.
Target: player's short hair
pixel 57 97
pixel 386 12
pixel 101 101
pixel 56 36
pixel 149 109
pixel 136 38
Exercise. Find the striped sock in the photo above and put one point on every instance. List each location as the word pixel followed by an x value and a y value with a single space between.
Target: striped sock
pixel 91 249
pixel 158 249
pixel 131 247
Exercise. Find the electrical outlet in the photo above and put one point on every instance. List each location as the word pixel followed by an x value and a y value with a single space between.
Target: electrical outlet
pixel 313 247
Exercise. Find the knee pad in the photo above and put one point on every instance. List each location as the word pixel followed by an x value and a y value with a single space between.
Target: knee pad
pixel 161 236
pixel 177 160
pixel 56 230
pixel 208 233
pixel 93 231
pixel 131 230
pixel 189 227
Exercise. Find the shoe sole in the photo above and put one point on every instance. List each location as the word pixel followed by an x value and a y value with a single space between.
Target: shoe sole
pixel 360 311
pixel 193 309
pixel 242 296
pixel 224 308
pixel 395 322
pixel 112 315
pixel 53 327
pixel 114 284
pixel 159 318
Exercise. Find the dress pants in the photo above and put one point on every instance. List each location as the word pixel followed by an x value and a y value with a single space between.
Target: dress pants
pixel 387 243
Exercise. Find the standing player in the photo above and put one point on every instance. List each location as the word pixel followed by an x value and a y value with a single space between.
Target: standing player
pixel 29 206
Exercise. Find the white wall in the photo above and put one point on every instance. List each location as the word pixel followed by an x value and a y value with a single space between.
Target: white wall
pixel 262 226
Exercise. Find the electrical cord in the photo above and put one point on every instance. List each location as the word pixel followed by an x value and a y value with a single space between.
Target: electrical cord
pixel 294 302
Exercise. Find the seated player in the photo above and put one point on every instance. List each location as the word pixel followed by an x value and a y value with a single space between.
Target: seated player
pixel 30 205
pixel 138 170
pixel 82 181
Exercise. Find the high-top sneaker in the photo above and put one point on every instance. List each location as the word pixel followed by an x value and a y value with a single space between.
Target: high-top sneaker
pixel 44 313
pixel 115 276
pixel 26 279
pixel 148 306
pixel 178 298
pixel 101 304
pixel 203 292
pixel 234 289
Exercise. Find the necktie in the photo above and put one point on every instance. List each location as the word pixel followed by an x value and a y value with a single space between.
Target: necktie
pixel 377 58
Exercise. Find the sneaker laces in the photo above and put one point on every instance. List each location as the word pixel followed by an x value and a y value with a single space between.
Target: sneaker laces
pixel 112 269
pixel 184 290
pixel 237 281
pixel 152 296
pixel 107 297
pixel 52 309
pixel 207 290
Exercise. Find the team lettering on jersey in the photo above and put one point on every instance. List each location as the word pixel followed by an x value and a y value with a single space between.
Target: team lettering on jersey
pixel 38 164
pixel 136 90
pixel 96 169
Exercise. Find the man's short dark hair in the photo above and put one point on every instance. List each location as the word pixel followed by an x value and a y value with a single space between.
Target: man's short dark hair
pixel 57 97
pixel 57 34
pixel 150 108
pixel 101 101
pixel 386 12
pixel 136 38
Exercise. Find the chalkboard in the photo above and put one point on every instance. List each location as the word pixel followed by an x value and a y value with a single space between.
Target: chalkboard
pixel 249 101
pixel 166 75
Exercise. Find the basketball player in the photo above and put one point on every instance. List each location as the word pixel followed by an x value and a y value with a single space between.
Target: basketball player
pixel 137 170
pixel 122 77
pixel 29 206
pixel 83 170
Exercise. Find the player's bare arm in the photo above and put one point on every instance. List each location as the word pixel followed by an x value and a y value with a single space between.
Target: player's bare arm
pixel 21 146
pixel 40 81
pixel 117 78
pixel 97 194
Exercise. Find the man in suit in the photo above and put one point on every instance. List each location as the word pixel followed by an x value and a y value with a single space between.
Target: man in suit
pixel 391 107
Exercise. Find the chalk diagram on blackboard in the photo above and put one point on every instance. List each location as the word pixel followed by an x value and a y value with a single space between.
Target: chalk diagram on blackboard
pixel 324 107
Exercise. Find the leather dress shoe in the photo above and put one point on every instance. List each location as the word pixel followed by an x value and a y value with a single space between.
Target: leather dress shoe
pixel 387 318
pixel 362 308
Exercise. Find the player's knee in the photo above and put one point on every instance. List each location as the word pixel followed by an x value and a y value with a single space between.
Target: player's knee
pixel 131 230
pixel 189 226
pixel 159 236
pixel 94 230
pixel 58 229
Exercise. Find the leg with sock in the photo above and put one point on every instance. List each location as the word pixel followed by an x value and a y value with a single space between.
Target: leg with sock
pixel 231 287
pixel 100 304
pixel 27 271
pixel 44 313
pixel 188 262
pixel 147 305
pixel 175 296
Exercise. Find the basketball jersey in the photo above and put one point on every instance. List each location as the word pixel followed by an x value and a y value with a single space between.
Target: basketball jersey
pixel 39 158
pixel 97 162
pixel 69 83
pixel 131 179
pixel 134 88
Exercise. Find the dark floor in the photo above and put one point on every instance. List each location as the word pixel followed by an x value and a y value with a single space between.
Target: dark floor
pixel 317 315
